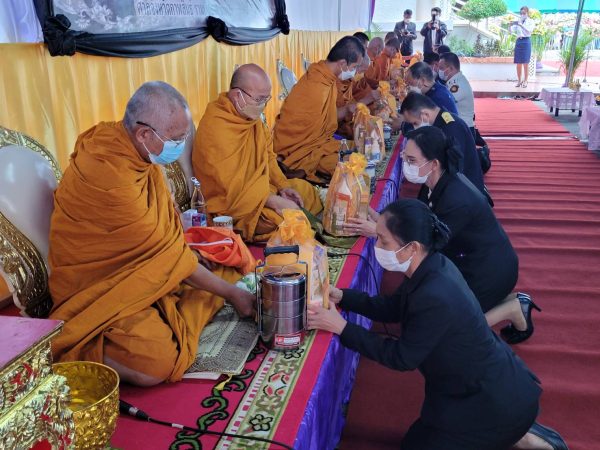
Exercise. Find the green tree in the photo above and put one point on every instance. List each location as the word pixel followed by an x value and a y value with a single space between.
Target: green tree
pixel 476 10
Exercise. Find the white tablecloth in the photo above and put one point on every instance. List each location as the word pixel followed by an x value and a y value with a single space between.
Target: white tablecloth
pixel 589 125
pixel 565 98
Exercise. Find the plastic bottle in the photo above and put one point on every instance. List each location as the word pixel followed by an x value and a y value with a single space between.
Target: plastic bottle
pixel 344 150
pixel 375 150
pixel 198 204
pixel 341 205
pixel 369 148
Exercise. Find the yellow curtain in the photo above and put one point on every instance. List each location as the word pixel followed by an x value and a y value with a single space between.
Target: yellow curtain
pixel 54 99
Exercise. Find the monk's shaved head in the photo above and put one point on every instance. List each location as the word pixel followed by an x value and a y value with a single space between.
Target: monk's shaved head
pixel 375 46
pixel 154 102
pixel 250 77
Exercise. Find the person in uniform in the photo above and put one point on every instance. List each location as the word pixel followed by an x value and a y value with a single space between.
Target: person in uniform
pixel 459 87
pixel 420 110
pixel 478 394
pixel 420 78
pixel 406 31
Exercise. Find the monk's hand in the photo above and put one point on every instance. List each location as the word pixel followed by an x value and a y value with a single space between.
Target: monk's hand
pixel 364 227
pixel 279 203
pixel 330 319
pixel 293 195
pixel 335 294
pixel 243 301
pixel 376 94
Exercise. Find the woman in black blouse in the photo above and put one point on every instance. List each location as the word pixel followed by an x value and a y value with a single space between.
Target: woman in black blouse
pixel 478 394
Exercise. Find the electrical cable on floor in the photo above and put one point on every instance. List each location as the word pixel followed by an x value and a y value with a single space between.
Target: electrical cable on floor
pixel 374 276
pixel 130 410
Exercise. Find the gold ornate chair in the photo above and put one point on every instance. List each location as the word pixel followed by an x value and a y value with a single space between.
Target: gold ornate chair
pixel 29 175
pixel 287 79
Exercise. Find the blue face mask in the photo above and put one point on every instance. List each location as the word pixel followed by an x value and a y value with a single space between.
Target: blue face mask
pixel 171 151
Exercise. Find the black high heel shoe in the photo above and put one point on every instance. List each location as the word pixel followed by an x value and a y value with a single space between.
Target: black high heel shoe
pixel 513 336
pixel 549 435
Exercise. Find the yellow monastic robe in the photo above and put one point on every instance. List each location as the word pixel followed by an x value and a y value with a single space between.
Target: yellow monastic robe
pixel 118 259
pixel 303 134
pixel 233 159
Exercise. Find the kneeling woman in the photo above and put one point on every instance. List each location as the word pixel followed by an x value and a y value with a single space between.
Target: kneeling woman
pixel 478 393
pixel 478 245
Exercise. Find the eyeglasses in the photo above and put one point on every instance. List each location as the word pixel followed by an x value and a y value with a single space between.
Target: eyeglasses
pixel 411 161
pixel 260 100
pixel 176 141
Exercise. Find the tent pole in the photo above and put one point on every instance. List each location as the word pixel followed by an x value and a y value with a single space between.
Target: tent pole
pixel 370 15
pixel 339 15
pixel 574 43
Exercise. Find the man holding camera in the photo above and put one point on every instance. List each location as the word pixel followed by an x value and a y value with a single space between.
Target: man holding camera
pixel 407 33
pixel 433 31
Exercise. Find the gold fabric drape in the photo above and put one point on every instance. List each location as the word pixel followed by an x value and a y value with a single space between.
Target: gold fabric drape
pixel 54 99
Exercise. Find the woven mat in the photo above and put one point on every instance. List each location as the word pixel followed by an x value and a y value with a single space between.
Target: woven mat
pixel 224 346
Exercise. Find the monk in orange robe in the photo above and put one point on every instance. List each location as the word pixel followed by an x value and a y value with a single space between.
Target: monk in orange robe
pixel 234 160
pixel 364 86
pixel 131 292
pixel 381 70
pixel 303 134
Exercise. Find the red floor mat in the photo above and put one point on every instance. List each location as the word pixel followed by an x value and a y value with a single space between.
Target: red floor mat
pixel 497 117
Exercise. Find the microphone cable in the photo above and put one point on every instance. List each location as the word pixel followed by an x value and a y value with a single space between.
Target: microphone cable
pixel 130 410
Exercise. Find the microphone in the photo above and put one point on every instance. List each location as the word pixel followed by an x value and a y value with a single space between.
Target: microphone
pixel 130 410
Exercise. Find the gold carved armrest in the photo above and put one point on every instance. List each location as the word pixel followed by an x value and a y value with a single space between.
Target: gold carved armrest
pixel 24 270
pixel 178 185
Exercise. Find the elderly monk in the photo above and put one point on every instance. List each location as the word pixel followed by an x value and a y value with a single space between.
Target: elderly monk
pixel 303 134
pixel 131 292
pixel 234 160
pixel 383 61
pixel 363 88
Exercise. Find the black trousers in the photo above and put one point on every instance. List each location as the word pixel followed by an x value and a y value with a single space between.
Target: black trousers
pixel 423 437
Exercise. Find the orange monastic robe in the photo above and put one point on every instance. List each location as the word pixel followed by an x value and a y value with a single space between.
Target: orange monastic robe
pixel 233 159
pixel 303 134
pixel 363 86
pixel 344 92
pixel 118 259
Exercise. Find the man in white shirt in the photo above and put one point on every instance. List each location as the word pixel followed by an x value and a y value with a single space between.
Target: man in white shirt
pixel 523 29
pixel 460 88
pixel 458 85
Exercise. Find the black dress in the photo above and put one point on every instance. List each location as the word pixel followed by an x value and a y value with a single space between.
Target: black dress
pixel 478 245
pixel 478 394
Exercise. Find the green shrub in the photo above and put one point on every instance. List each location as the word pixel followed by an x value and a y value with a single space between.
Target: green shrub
pixel 476 10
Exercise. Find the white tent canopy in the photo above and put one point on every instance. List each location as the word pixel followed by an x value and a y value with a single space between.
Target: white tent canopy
pixel 330 15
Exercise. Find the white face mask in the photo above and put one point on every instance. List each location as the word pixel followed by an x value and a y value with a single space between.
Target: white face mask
pixel 442 75
pixel 411 173
pixel 523 16
pixel 347 74
pixel 387 259
pixel 416 89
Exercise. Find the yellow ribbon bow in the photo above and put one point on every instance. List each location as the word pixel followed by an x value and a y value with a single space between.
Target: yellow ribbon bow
pixel 357 163
pixel 384 87
pixel 295 227
pixel 362 108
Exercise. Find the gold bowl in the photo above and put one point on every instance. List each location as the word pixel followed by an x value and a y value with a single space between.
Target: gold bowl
pixel 94 393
